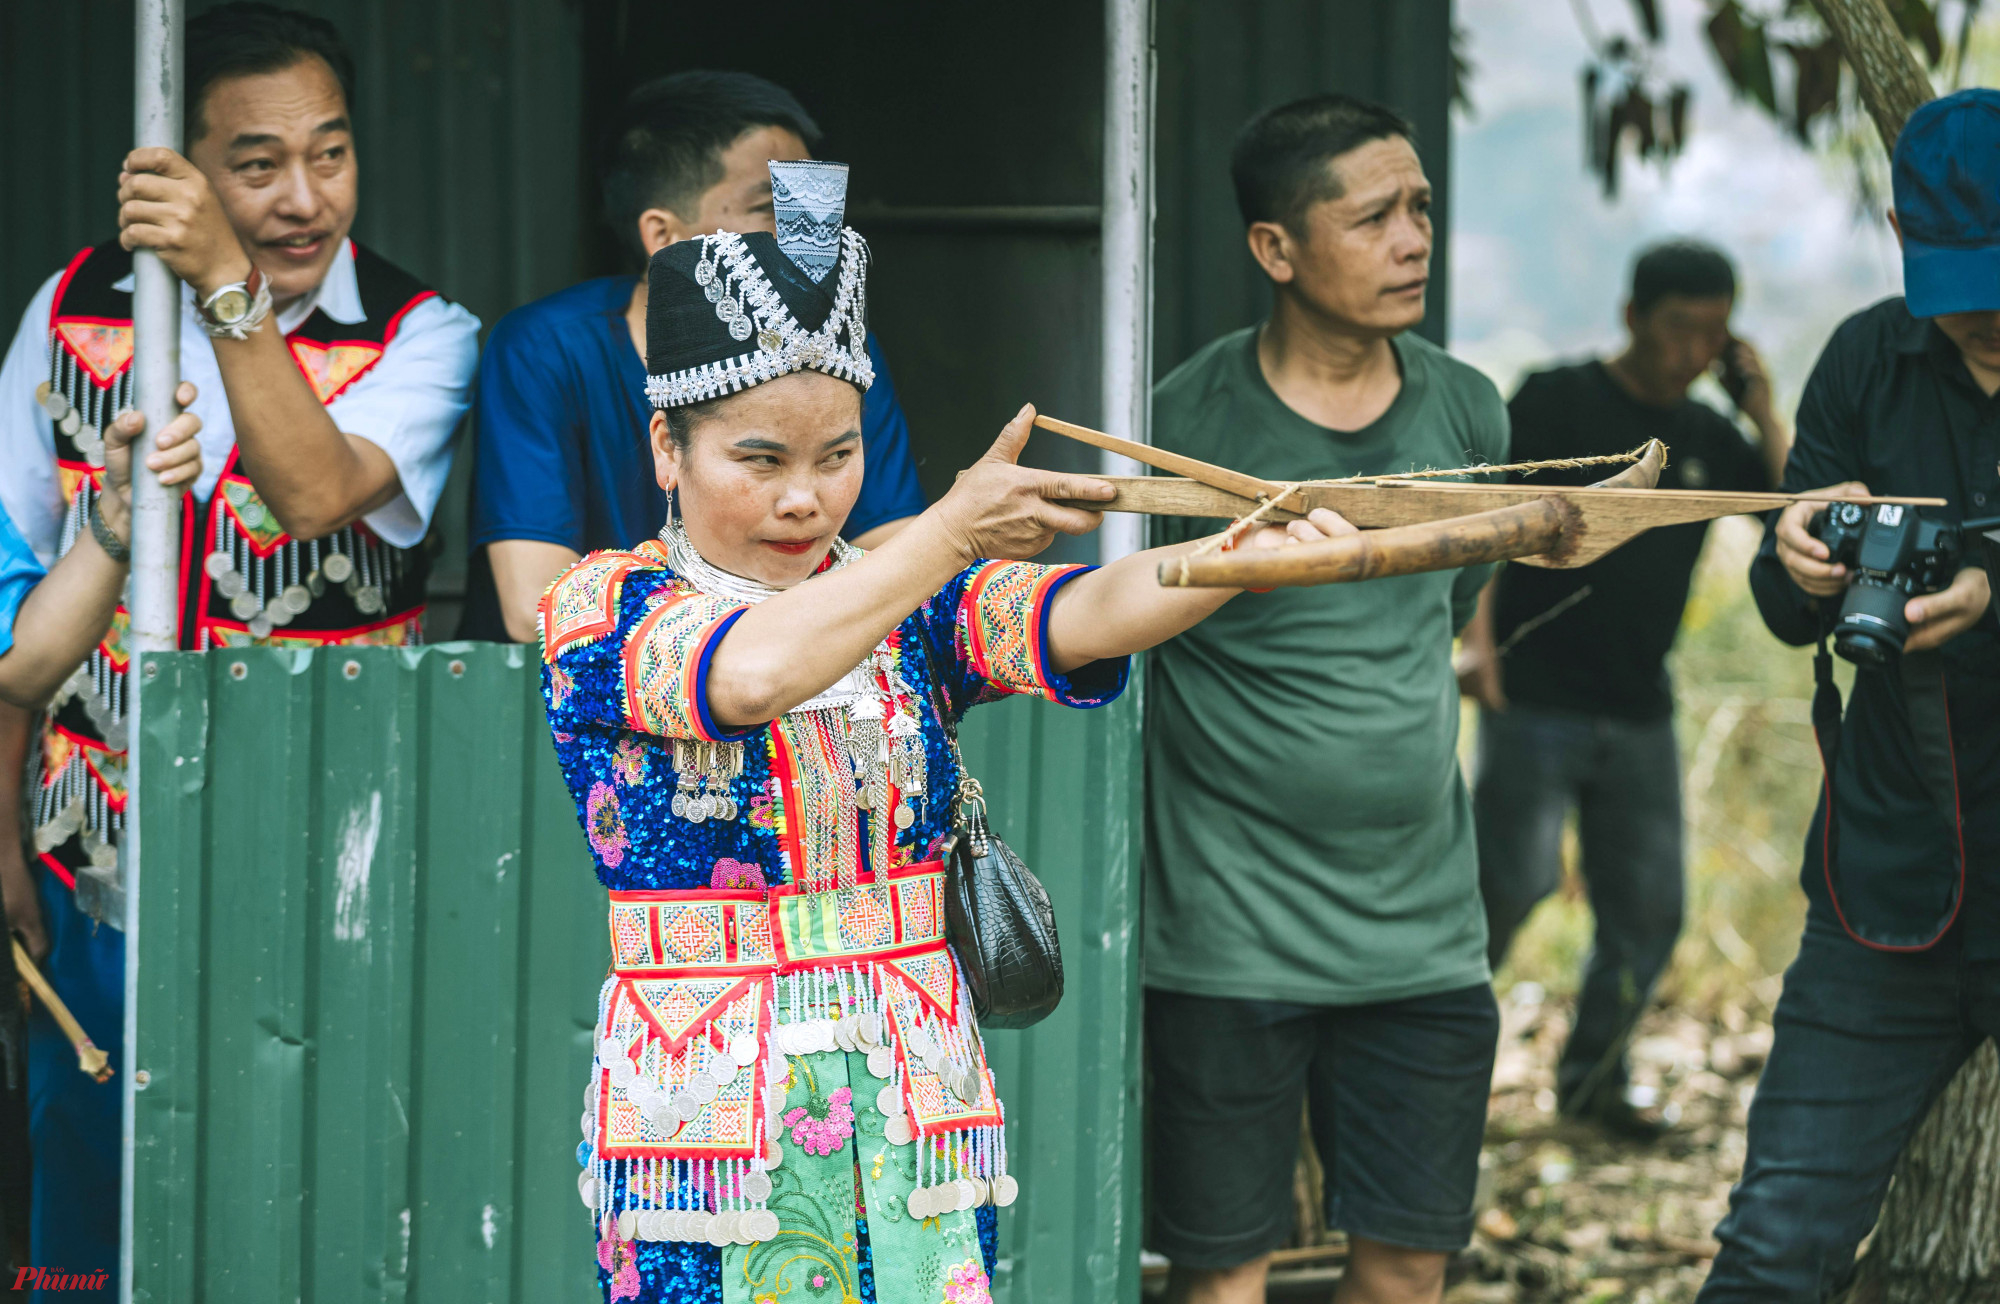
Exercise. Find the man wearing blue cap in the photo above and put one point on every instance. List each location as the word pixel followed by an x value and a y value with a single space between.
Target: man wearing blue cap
pixel 1897 980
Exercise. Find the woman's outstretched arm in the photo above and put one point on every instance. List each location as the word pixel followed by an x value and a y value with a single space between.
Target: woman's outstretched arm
pixel 1123 608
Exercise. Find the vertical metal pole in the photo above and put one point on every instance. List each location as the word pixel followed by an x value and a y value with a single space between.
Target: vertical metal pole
pixel 1127 251
pixel 153 597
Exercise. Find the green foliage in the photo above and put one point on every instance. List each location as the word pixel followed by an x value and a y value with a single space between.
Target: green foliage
pixel 1632 105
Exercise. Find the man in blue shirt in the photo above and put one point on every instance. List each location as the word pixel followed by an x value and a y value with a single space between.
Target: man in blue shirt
pixel 562 466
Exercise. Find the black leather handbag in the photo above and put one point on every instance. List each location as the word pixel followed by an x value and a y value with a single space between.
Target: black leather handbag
pixel 997 914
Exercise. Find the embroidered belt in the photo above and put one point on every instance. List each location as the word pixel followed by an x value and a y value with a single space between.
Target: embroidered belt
pixel 780 930
pixel 710 991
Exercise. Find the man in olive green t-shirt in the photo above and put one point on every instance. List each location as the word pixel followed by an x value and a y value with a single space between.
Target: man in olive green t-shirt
pixel 1313 927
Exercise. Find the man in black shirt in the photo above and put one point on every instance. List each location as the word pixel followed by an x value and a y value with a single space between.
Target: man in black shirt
pixel 1579 713
pixel 1897 979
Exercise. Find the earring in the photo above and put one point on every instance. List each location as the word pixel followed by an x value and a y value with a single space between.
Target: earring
pixel 668 528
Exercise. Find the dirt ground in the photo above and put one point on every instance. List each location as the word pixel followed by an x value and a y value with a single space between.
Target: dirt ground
pixel 1578 1216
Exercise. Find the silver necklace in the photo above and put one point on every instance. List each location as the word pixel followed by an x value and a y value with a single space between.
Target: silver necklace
pixel 873 701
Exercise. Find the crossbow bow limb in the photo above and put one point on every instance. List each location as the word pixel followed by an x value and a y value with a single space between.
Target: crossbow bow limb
pixel 1408 526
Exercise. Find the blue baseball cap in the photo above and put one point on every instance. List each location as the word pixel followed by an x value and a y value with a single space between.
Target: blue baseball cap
pixel 1946 175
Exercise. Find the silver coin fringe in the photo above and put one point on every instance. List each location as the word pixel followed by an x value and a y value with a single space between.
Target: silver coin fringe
pixel 78 406
pixel 70 803
pixel 266 592
pixel 723 1201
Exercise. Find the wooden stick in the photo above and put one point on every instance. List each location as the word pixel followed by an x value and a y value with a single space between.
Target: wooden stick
pixel 1218 477
pixel 1518 531
pixel 88 1057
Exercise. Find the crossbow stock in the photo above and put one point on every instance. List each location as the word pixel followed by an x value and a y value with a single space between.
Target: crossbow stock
pixel 1408 526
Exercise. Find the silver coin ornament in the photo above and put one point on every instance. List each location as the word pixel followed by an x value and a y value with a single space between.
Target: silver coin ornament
pixel 1005 1190
pixel 628 1223
pixel 756 1186
pixel 586 1188
pixel 881 1062
pixel 217 564
pixel 719 1230
pixel 296 597
pixel 52 403
pixel 244 605
pixel 259 626
pixel 703 1088
pixel 898 1132
pixel 871 1029
pixel 889 1101
pixel 743 1050
pixel 916 1203
pixel 968 1194
pixel 337 567
pixel 70 422
pixel 230 585
pixel 368 600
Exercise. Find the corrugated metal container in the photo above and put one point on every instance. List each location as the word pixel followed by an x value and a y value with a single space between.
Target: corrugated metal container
pixel 368 956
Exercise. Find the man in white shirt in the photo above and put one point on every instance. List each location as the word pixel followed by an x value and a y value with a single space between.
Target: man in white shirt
pixel 329 386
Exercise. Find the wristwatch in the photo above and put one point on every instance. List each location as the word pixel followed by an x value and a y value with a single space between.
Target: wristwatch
pixel 236 309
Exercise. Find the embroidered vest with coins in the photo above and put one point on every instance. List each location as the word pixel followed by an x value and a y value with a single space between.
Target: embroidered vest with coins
pixel 244 581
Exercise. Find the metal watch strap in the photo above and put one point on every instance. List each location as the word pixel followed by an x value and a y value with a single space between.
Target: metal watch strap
pixel 258 291
pixel 114 547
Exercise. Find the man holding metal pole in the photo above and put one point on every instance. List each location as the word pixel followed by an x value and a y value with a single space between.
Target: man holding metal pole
pixel 330 384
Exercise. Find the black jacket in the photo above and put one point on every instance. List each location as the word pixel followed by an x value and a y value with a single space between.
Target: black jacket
pixel 1891 404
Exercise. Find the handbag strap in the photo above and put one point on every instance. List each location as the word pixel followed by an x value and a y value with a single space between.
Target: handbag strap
pixel 968 809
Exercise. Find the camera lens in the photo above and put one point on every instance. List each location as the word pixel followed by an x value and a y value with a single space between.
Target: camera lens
pixel 1872 628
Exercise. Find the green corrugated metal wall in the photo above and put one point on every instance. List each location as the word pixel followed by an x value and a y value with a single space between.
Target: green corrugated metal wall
pixel 369 952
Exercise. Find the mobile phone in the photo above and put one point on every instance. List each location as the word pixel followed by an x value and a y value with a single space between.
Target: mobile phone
pixel 1729 371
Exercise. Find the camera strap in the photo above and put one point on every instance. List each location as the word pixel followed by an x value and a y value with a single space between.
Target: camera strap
pixel 1928 707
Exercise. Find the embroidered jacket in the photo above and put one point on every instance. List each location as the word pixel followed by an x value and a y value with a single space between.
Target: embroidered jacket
pixel 627 646
pixel 243 579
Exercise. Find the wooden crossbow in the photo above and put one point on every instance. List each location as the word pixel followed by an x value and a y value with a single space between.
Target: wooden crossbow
pixel 1408 526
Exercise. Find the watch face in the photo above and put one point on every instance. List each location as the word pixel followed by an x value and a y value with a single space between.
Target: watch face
pixel 229 307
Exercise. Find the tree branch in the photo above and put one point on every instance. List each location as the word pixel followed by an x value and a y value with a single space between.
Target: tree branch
pixel 1892 82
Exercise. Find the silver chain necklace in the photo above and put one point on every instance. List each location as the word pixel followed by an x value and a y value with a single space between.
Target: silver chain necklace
pixel 885 743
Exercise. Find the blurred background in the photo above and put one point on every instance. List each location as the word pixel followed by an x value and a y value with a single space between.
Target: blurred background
pixel 1547 217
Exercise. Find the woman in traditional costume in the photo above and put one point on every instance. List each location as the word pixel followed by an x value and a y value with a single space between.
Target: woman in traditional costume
pixel 790 1098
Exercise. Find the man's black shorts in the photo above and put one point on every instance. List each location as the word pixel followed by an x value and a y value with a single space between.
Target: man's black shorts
pixel 1398 1104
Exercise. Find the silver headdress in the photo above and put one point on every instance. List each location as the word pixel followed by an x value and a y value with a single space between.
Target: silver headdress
pixel 756 302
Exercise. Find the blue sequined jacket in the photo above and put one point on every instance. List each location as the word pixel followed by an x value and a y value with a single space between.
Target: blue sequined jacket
pixel 626 650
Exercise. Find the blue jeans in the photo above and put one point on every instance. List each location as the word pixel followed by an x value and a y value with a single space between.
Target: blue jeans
pixel 1865 1042
pixel 75 1123
pixel 1624 780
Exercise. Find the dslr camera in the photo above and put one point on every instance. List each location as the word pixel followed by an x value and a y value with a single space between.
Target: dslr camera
pixel 1894 553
